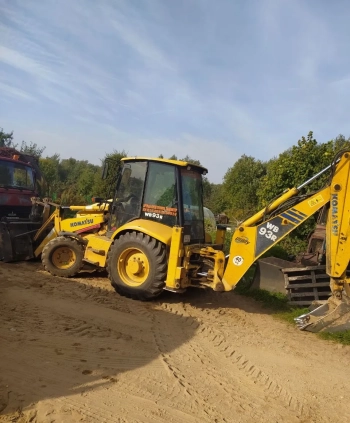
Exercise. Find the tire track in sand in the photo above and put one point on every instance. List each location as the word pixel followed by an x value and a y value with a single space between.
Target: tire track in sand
pixel 212 337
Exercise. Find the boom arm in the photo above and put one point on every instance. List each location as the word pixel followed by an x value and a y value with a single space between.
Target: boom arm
pixel 338 227
pixel 255 236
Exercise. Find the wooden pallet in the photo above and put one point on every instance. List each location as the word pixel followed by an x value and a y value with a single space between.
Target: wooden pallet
pixel 306 284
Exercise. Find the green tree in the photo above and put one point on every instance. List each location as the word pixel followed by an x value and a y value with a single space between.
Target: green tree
pixel 295 166
pixel 173 157
pixel 70 196
pixel 6 139
pixel 240 186
pixel 188 159
pixel 215 199
pixel 340 142
pixel 106 188
pixel 85 183
pixel 32 149
pixel 77 179
pixel 49 169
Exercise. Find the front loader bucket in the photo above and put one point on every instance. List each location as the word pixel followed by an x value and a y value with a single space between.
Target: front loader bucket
pixel 16 240
pixel 332 316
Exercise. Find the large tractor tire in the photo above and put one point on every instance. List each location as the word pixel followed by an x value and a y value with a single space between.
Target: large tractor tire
pixel 63 257
pixel 137 266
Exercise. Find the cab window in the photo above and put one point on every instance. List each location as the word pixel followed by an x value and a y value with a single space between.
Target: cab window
pixel 160 199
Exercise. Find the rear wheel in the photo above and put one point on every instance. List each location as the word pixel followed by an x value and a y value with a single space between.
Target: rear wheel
pixel 137 266
pixel 63 257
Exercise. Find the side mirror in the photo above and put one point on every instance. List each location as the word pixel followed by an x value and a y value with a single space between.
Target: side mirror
pixel 105 170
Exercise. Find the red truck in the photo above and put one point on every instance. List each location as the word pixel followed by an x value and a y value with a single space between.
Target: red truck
pixel 18 175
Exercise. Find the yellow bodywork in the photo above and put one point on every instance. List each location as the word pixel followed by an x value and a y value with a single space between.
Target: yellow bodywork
pixel 87 219
pixel 179 266
pixel 98 246
pixel 242 250
pixel 182 264
pixel 176 270
pixel 181 273
pixel 154 229
pixel 133 266
pixel 180 163
pixel 63 257
pixel 253 238
pixel 338 227
pixel 250 240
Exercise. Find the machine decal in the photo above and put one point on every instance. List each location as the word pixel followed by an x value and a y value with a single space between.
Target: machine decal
pixel 82 222
pixel 154 215
pixel 334 208
pixel 237 260
pixel 242 240
pixel 88 228
pixel 294 216
pixel 299 212
pixel 268 233
pixel 315 201
pixel 151 209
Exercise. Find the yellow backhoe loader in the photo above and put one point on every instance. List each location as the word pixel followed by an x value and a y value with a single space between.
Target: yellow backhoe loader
pixel 155 237
pixel 48 233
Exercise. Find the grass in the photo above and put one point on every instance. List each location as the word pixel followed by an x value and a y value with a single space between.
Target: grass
pixel 274 301
pixel 277 303
pixel 339 337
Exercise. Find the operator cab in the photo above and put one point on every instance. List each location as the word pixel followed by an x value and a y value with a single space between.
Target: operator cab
pixel 165 191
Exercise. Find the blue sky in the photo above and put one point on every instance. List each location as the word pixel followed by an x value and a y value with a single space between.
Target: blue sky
pixel 212 79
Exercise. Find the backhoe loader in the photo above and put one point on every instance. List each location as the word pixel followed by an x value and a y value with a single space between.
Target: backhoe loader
pixel 155 238
pixel 48 226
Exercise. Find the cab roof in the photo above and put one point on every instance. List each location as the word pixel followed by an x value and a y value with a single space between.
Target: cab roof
pixel 11 160
pixel 180 163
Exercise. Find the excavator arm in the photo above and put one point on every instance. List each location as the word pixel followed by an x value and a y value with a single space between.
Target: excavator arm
pixel 251 242
pixel 338 225
pixel 269 226
pixel 333 315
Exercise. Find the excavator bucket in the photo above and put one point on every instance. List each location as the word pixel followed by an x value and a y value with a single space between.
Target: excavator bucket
pixel 16 240
pixel 269 276
pixel 332 316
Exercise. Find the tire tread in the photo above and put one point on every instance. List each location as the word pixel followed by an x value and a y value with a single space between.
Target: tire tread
pixel 156 250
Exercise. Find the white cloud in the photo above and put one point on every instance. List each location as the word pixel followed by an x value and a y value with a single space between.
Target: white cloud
pixel 15 92
pixel 139 42
pixel 25 64
pixel 213 81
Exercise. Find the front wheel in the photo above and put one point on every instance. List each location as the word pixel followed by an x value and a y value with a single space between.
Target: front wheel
pixel 63 257
pixel 137 266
